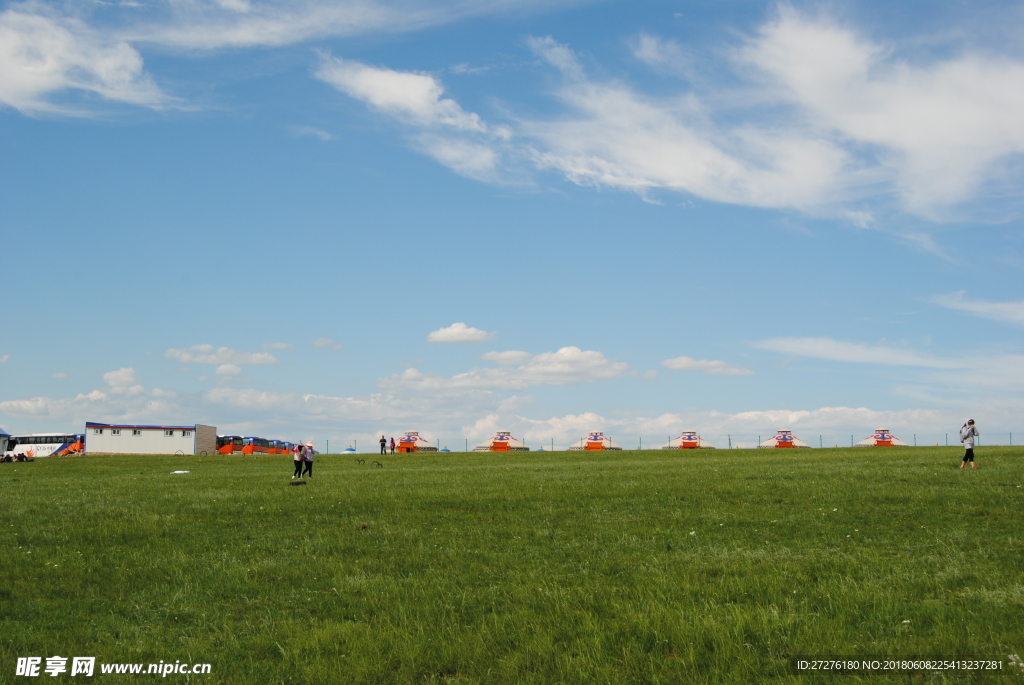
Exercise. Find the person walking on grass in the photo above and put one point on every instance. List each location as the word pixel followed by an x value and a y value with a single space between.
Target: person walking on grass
pixel 307 457
pixel 383 445
pixel 967 434
pixel 297 451
pixel 392 445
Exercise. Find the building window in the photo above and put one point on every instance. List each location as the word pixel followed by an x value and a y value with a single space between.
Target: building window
pixel 168 434
pixel 115 431
pixel 97 431
pixel 136 431
pixel 186 434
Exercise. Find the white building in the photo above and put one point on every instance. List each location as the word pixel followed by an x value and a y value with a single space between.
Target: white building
pixel 115 438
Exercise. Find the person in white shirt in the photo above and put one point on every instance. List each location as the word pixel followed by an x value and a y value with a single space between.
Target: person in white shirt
pixel 297 450
pixel 967 434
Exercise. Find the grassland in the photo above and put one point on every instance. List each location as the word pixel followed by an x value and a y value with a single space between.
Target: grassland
pixel 630 567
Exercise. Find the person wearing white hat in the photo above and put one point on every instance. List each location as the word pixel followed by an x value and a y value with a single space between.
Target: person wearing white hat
pixel 307 455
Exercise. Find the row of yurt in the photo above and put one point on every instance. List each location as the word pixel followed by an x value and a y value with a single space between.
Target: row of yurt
pixel 881 438
pixel 594 442
pixel 689 440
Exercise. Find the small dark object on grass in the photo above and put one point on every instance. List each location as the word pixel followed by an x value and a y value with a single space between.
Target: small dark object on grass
pixel 360 461
pixel 297 482
pixel 363 527
pixel 378 464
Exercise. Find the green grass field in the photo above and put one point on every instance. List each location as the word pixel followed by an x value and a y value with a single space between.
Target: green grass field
pixel 629 567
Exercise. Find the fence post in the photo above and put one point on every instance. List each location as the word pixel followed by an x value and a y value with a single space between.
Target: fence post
pixel 819 442
pixel 730 441
pixel 915 439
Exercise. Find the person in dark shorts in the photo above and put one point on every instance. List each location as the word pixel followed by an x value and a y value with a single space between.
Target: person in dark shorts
pixel 967 434
pixel 298 461
pixel 383 445
pixel 307 459
pixel 392 445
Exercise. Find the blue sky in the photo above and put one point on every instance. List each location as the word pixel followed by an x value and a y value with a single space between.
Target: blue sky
pixel 328 220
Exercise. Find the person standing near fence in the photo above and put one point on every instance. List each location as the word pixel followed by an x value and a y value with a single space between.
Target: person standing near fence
pixel 297 450
pixel 967 434
pixel 307 456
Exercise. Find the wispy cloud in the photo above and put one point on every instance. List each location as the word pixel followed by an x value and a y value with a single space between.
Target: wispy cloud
pixel 711 367
pixel 460 333
pixel 1006 312
pixel 842 351
pixel 42 54
pixel 326 344
pixel 312 131
pixel 4 358
pixel 458 139
pixel 208 354
pixel 567 366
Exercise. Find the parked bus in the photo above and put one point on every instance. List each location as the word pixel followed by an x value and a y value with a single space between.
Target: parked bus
pixel 236 444
pixel 258 446
pixel 46 444
pixel 230 444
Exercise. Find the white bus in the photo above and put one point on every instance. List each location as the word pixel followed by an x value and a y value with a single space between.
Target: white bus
pixel 46 444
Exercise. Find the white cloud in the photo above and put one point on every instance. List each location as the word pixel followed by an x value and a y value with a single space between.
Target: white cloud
pixel 207 354
pixel 708 366
pixel 508 357
pixel 326 344
pixel 456 138
pixel 567 366
pixel 299 131
pixel 59 374
pixel 414 97
pixel 660 53
pixel 224 24
pixel 621 139
pixel 460 333
pixel 1006 312
pixel 278 346
pixel 123 382
pixel 938 128
pixel 838 350
pixel 41 55
pixel 824 120
pixel 228 370
pixel 4 358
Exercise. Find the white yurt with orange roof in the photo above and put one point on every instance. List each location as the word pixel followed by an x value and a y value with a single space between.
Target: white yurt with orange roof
pixel 783 440
pixel 881 438
pixel 501 442
pixel 412 441
pixel 689 440
pixel 596 441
